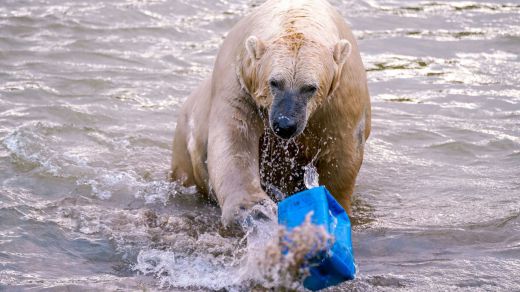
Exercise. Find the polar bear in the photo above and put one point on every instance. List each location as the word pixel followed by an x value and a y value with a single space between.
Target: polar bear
pixel 288 90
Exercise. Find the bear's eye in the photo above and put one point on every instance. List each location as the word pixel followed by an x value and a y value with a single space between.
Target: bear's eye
pixel 275 84
pixel 308 89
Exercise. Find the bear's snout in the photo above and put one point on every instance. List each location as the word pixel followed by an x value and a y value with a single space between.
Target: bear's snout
pixel 285 127
pixel 288 114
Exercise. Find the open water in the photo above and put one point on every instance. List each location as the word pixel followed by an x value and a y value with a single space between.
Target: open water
pixel 89 93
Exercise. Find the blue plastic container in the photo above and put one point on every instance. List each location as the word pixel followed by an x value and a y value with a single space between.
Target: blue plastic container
pixel 337 265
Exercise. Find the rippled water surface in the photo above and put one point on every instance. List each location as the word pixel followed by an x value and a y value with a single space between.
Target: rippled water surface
pixel 89 93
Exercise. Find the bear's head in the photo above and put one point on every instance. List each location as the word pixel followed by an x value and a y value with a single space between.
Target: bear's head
pixel 291 76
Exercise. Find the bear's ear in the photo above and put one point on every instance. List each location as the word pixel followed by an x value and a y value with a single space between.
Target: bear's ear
pixel 341 51
pixel 255 47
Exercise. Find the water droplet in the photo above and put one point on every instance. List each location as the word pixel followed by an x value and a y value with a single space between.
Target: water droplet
pixel 311 177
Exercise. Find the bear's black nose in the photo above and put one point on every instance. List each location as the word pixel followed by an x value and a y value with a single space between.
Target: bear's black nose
pixel 285 127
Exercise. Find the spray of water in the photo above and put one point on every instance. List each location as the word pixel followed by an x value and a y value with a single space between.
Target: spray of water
pixel 266 256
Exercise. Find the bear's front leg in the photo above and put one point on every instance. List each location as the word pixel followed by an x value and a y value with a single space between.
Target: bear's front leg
pixel 233 161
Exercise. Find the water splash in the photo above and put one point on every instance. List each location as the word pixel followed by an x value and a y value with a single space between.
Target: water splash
pixel 311 176
pixel 286 259
pixel 267 256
